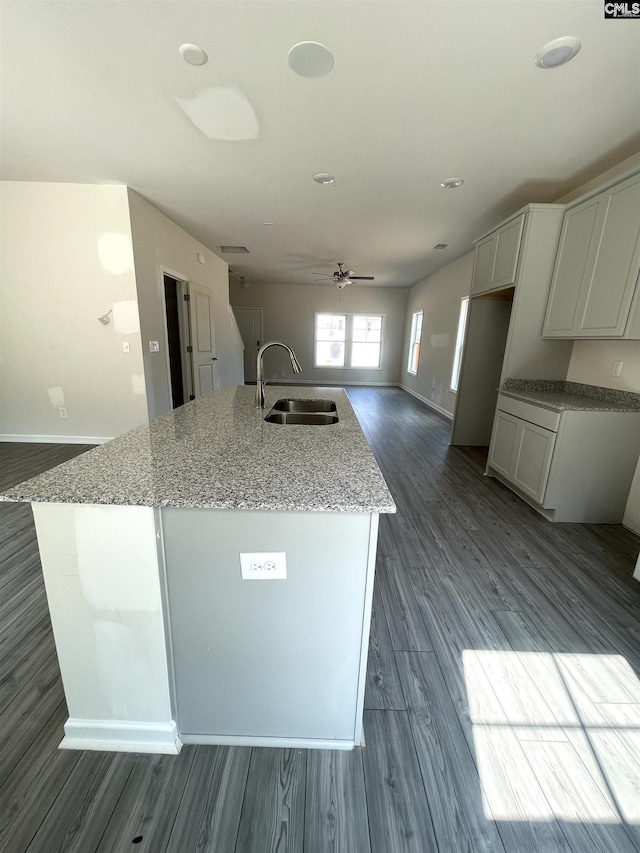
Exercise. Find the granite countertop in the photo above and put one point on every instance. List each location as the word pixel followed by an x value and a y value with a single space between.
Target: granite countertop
pixel 218 452
pixel 562 396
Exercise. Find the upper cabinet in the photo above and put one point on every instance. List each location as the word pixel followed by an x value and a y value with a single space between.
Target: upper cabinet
pixel 496 257
pixel 594 290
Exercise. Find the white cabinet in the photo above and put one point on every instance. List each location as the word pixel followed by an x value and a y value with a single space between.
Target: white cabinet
pixel 593 289
pixel 496 257
pixel 570 465
pixel 521 452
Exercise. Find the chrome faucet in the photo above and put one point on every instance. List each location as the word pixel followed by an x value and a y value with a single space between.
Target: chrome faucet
pixel 260 381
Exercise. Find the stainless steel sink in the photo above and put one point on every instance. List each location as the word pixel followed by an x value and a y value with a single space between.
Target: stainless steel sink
pixel 290 405
pixel 310 418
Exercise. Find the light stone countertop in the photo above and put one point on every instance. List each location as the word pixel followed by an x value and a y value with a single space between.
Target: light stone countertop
pixel 217 452
pixel 562 396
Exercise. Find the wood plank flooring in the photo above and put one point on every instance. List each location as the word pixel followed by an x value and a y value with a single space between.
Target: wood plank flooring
pixel 502 704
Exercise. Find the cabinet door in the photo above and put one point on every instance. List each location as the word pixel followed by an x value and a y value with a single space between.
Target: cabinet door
pixel 496 257
pixel 505 264
pixel 570 270
pixel 522 452
pixel 611 285
pixel 505 437
pixel 533 460
pixel 483 264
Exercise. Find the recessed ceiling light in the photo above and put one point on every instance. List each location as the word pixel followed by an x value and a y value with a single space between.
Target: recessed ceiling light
pixel 310 59
pixel 234 250
pixel 557 52
pixel 452 183
pixel 440 245
pixel 193 54
pixel 324 178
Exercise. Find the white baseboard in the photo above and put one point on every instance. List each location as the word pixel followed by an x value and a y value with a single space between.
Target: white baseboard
pixel 427 402
pixel 119 736
pixel 326 384
pixel 254 740
pixel 57 439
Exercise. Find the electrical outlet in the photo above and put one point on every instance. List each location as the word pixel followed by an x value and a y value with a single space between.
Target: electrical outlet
pixel 154 346
pixel 617 368
pixel 263 566
pixel 63 412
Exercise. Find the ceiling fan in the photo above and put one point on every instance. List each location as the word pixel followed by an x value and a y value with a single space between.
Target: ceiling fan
pixel 341 277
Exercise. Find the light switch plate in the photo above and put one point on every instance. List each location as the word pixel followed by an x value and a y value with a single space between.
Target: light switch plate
pixel 264 566
pixel 154 346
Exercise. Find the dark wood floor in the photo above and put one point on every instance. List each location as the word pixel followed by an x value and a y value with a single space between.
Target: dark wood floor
pixel 503 694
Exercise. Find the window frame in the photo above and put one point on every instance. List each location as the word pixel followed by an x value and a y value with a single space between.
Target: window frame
pixel 413 342
pixel 460 339
pixel 348 342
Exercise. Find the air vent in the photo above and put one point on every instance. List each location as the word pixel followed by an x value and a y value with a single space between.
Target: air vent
pixel 234 250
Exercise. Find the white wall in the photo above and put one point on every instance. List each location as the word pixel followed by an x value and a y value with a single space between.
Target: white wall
pixel 438 296
pixel 288 313
pixel 67 260
pixel 592 362
pixel 161 245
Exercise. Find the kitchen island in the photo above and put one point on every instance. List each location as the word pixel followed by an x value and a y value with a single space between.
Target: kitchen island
pixel 160 638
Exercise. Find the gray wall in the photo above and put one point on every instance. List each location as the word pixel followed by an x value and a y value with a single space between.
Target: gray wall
pixel 67 260
pixel 288 312
pixel 438 296
pixel 159 245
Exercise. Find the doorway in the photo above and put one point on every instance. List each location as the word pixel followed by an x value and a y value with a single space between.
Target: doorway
pixel 191 351
pixel 249 322
pixel 173 304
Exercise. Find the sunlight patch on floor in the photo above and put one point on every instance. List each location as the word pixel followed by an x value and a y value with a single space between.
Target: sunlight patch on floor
pixel 557 736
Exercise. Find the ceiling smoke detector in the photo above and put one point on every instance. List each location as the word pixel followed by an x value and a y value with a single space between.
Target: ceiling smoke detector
pixel 324 178
pixel 452 183
pixel 192 54
pixel 310 59
pixel 557 52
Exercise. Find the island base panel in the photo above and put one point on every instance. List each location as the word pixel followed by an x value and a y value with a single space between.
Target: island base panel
pixel 259 661
pixel 102 577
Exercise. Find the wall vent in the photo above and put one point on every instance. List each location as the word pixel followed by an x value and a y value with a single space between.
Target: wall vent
pixel 234 250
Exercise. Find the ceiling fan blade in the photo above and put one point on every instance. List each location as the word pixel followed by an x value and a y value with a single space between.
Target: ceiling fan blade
pixel 362 277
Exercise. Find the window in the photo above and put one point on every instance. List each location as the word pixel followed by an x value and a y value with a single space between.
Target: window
pixel 457 358
pixel 414 346
pixel 348 340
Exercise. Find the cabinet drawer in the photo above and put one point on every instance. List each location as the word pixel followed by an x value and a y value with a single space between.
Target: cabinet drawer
pixel 529 412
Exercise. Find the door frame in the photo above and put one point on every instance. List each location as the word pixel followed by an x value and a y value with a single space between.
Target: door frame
pixel 260 311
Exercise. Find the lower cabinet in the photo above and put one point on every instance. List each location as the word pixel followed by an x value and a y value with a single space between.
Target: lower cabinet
pixel 522 452
pixel 570 465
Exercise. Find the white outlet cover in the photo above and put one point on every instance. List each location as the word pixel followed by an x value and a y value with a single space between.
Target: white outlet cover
pixel 154 346
pixel 263 566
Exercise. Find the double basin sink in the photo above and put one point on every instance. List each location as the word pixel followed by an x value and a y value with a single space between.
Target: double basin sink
pixel 311 412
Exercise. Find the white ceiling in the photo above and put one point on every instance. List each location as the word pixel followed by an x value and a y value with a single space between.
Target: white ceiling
pixel 420 91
